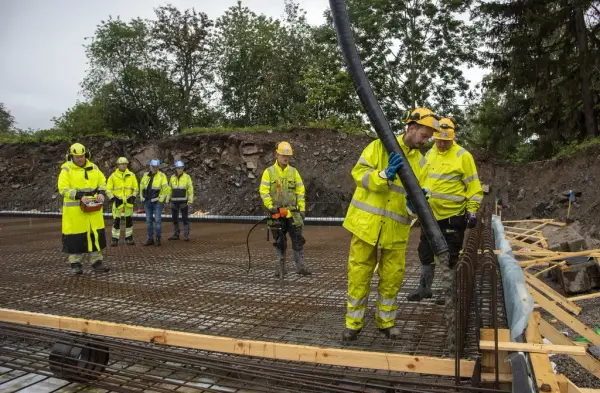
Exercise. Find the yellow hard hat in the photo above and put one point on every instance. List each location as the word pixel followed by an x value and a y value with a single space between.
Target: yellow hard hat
pixel 446 131
pixel 77 149
pixel 424 117
pixel 285 149
pixel 122 160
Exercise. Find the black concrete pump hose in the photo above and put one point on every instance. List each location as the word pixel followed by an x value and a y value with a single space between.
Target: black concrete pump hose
pixel 383 128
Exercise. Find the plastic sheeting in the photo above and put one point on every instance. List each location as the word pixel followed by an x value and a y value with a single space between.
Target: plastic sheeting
pixel 518 301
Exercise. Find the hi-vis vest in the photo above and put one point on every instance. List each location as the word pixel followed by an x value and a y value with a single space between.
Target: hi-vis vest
pixel 282 188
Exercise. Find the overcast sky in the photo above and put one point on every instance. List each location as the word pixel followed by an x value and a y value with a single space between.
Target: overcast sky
pixel 42 55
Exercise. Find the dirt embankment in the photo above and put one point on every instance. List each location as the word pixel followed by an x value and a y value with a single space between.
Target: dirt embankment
pixel 227 168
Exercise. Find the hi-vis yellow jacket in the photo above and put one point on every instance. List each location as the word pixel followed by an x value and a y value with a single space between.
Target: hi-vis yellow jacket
pixel 452 179
pixel 159 190
pixel 377 213
pixel 82 232
pixel 181 189
pixel 282 188
pixel 122 185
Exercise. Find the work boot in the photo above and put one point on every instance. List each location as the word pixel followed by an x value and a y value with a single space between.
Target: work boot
pixel 129 241
pixel 186 239
pixel 425 283
pixel 99 267
pixel 305 272
pixel 114 242
pixel 149 242
pixel 350 334
pixel 157 242
pixel 174 237
pixel 299 261
pixel 76 268
pixel 391 332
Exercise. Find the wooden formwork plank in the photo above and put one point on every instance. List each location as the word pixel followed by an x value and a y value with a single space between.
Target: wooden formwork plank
pixel 264 349
pixel 587 361
pixel 551 293
pixel 542 368
pixel 570 349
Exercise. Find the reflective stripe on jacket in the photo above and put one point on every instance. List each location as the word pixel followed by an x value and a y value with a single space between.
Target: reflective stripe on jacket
pixel 282 188
pixel 181 189
pixel 159 188
pixel 452 179
pixel 122 185
pixel 82 232
pixel 377 212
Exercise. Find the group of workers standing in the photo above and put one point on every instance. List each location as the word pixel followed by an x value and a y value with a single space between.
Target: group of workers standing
pixel 84 189
pixel 379 216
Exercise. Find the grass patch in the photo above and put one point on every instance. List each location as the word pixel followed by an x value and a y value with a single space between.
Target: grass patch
pixel 47 136
pixel 576 147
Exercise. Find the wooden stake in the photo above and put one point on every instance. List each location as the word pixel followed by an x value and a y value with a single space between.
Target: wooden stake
pixel 533 347
pixel 564 316
pixel 541 362
pixel 552 294
pixel 549 268
pixel 264 349
pixel 587 361
pixel 584 297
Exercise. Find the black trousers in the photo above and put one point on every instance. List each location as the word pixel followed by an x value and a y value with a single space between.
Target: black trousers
pixel 288 226
pixel 453 229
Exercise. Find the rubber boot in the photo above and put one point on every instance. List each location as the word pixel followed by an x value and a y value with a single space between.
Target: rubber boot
pixel 99 267
pixel 149 242
pixel 157 242
pixel 392 332
pixel 129 241
pixel 350 334
pixel 425 283
pixel 300 265
pixel 174 237
pixel 76 268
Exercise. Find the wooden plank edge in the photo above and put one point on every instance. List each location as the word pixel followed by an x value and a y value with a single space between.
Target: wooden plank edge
pixel 263 349
pixel 533 347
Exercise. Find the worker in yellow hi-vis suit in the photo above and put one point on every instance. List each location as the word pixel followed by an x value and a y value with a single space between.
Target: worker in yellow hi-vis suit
pixel 281 186
pixel 82 186
pixel 451 176
pixel 379 221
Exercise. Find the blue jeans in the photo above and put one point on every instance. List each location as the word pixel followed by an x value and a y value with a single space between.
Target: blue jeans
pixel 153 211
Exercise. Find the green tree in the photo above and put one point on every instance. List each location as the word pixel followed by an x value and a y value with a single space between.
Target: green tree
pixel 7 121
pixel 546 53
pixel 413 51
pixel 85 118
pixel 124 75
pixel 245 44
pixel 183 44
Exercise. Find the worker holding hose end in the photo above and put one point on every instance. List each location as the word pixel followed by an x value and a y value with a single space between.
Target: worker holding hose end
pixel 282 187
pixel 456 194
pixel 379 221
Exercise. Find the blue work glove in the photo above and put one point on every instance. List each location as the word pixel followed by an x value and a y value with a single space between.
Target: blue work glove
pixel 394 163
pixel 409 205
pixel 471 219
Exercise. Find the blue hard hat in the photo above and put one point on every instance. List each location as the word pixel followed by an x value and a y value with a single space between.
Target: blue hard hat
pixel 155 162
pixel 179 164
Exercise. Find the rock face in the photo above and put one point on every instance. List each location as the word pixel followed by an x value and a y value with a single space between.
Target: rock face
pixel 227 169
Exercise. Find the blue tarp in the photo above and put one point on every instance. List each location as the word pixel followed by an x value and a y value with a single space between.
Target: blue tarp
pixel 517 300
